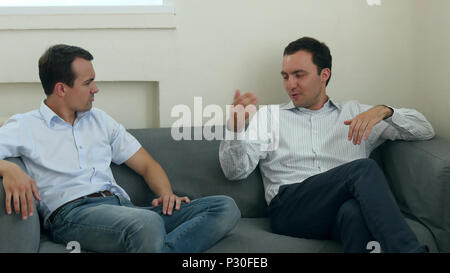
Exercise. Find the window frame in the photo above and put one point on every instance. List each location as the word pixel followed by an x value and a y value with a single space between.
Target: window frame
pixel 167 7
pixel 63 18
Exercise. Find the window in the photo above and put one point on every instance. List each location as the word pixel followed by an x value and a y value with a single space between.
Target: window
pixel 8 7
pixel 86 14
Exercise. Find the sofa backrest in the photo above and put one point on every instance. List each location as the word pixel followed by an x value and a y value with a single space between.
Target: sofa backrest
pixel 193 169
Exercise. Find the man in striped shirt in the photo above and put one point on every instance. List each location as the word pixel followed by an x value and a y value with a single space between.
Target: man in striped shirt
pixel 319 182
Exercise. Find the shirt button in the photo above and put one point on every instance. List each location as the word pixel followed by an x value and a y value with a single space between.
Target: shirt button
pixel 81 147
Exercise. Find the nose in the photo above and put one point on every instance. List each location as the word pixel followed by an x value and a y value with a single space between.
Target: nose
pixel 291 83
pixel 94 88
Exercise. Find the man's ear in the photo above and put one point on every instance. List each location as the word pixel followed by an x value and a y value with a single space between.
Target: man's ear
pixel 325 74
pixel 59 89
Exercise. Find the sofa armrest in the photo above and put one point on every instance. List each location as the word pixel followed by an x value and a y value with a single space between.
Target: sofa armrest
pixel 419 176
pixel 17 235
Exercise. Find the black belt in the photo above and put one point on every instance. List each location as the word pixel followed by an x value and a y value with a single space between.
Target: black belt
pixel 93 195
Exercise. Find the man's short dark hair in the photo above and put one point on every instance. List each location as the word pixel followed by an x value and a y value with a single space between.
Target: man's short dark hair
pixel 55 65
pixel 321 55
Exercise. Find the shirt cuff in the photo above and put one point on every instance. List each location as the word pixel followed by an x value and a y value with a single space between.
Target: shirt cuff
pixel 392 118
pixel 230 135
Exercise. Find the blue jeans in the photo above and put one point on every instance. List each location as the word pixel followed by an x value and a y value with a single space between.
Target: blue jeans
pixel 114 224
pixel 351 203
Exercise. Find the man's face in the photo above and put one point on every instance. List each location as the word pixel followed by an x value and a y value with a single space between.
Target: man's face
pixel 304 85
pixel 80 96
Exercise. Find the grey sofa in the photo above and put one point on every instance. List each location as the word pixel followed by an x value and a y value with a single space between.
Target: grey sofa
pixel 418 173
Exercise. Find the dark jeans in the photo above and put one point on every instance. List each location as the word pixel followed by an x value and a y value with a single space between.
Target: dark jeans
pixel 351 203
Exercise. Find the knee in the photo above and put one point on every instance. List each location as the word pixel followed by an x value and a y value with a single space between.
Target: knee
pixel 145 232
pixel 366 166
pixel 229 206
pixel 366 163
pixel 350 212
pixel 226 209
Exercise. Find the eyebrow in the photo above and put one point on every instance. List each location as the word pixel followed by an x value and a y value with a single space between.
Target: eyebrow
pixel 295 72
pixel 88 81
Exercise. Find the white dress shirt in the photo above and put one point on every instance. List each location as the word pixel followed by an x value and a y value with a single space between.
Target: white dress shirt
pixel 312 142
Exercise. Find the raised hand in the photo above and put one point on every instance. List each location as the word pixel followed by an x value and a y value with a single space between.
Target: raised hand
pixel 242 108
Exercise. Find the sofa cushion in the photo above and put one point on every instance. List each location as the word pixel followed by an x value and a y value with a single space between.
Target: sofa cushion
pixel 194 170
pixel 17 235
pixel 253 235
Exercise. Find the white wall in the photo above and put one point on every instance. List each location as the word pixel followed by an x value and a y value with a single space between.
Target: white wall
pixel 432 82
pixel 221 45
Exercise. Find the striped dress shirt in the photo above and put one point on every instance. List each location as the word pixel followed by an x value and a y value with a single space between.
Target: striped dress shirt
pixel 311 142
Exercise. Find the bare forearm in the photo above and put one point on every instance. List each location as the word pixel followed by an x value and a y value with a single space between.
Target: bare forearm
pixel 156 178
pixel 153 174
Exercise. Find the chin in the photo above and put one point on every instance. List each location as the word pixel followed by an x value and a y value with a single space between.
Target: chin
pixel 298 104
pixel 87 108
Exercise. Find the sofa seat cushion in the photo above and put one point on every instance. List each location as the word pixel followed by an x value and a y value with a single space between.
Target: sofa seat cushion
pixel 253 235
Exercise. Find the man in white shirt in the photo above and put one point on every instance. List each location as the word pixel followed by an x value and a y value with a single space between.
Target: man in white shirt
pixel 67 147
pixel 319 182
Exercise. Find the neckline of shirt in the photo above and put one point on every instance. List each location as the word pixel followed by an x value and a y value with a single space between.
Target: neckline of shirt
pixel 51 117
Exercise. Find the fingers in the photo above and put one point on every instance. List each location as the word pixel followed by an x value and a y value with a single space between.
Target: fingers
pixel 368 131
pixel 236 94
pixel 169 203
pixel 178 204
pixel 30 204
pixel 21 201
pixel 361 126
pixel 156 201
pixel 165 203
pixel 172 199
pixel 8 203
pixel 348 122
pixel 16 203
pixel 35 191
pixel 19 189
pixel 350 131
pixel 241 109
pixel 182 199
pixel 361 130
pixel 23 205
pixel 246 99
pixel 357 129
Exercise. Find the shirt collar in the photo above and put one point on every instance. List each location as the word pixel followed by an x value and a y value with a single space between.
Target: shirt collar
pixel 329 104
pixel 51 117
pixel 47 113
